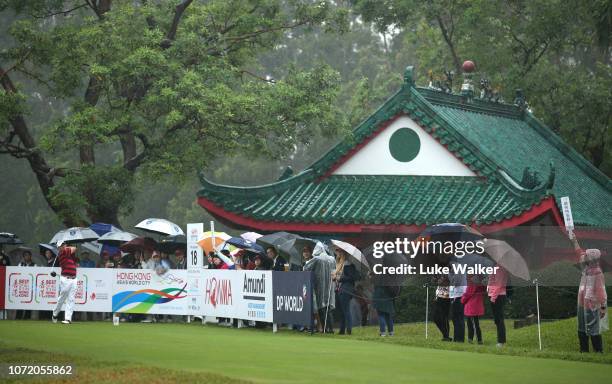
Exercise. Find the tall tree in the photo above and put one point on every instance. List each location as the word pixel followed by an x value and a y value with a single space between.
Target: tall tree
pixel 557 51
pixel 153 89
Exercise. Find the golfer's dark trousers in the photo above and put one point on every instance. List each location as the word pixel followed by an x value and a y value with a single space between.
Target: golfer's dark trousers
pixel 498 315
pixel 441 308
pixel 595 340
pixel 458 320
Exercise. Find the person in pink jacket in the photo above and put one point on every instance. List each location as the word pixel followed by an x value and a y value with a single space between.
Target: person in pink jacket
pixel 497 291
pixel 473 307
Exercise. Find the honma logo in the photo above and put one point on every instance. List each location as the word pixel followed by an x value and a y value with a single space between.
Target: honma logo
pixel 218 292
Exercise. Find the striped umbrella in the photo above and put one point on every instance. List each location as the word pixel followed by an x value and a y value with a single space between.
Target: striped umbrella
pixel 209 243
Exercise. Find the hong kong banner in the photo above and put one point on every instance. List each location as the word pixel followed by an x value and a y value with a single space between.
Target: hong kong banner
pixel 34 288
pixel 145 291
pixel 292 295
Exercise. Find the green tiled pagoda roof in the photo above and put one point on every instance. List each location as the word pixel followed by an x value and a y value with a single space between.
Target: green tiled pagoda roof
pixel 373 200
pixel 497 141
pixel 515 143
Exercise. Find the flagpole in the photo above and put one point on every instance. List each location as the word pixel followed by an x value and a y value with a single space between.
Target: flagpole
pixel 426 309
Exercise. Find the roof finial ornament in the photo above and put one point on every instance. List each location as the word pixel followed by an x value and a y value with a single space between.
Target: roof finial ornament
pixel 409 76
pixel 486 92
pixel 519 100
pixel 530 178
pixel 448 83
pixel 467 88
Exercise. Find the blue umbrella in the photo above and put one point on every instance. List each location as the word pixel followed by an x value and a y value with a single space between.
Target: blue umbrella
pixel 101 229
pixel 245 244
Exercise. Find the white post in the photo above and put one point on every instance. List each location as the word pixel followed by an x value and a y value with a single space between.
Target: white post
pixel 426 309
pixel 538 311
pixel 274 327
pixel 212 234
pixel 327 307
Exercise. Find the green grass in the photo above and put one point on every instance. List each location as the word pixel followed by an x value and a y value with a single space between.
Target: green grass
pixel 559 340
pixel 188 353
pixel 95 371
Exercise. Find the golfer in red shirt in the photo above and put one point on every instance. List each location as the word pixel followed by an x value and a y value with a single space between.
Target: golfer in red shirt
pixel 68 284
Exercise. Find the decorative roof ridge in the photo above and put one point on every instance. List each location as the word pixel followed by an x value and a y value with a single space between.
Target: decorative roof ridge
pixel 447 178
pixel 582 163
pixel 483 164
pixel 209 186
pixel 538 192
pixel 475 105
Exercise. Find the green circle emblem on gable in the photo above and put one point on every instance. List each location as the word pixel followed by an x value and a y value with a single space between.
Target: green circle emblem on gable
pixel 404 145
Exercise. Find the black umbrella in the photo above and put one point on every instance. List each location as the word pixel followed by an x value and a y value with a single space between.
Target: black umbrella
pixel 170 244
pixel 451 232
pixel 9 239
pixel 292 249
pixel 42 247
pixel 274 240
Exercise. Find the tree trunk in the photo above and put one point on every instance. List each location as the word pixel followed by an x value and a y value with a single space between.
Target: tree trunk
pixel 44 173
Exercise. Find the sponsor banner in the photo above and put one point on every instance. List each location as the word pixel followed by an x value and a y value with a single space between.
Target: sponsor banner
pixel 2 285
pixel 144 291
pixel 245 295
pixel 195 264
pixel 34 288
pixel 292 297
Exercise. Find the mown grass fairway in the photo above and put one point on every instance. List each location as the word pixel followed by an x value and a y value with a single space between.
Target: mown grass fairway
pixel 188 353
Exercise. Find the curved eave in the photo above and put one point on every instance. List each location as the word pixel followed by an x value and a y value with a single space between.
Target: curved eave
pixel 545 206
pixel 265 189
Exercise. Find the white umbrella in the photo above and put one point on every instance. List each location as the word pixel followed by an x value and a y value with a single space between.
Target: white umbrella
pixel 57 237
pixel 93 246
pixel 116 237
pixel 160 226
pixel 251 236
pixel 74 235
pixel 352 251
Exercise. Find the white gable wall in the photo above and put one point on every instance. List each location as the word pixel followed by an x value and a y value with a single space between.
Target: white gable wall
pixel 375 158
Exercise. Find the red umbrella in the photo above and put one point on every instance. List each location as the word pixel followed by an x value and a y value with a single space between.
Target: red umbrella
pixel 139 244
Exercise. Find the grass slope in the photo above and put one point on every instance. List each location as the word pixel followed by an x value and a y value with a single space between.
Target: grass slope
pixel 559 340
pixel 182 353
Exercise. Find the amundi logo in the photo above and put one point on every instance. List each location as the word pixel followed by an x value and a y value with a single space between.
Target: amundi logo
pixel 254 284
